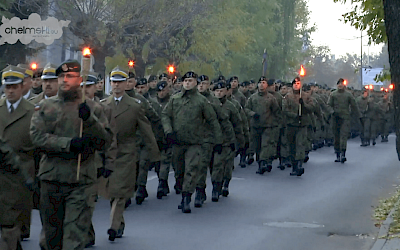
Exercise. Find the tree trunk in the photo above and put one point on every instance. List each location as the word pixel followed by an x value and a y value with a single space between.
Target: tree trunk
pixel 140 66
pixel 392 23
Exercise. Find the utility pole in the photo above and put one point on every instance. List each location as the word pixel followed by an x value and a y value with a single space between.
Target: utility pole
pixel 361 87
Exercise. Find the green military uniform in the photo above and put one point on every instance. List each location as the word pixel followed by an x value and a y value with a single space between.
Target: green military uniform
pixel 239 97
pixel 296 127
pixel 182 117
pixel 15 215
pixel 366 114
pixel 265 113
pixel 55 129
pixel 341 101
pixel 387 109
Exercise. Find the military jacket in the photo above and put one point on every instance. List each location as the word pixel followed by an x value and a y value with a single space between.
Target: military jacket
pixel 291 106
pixel 265 105
pixel 343 103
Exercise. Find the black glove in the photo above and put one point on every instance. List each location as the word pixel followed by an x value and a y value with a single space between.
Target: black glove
pixel 256 116
pixel 233 147
pixel 103 171
pixel 218 148
pixel 79 144
pixel 171 138
pixel 301 101
pixel 84 111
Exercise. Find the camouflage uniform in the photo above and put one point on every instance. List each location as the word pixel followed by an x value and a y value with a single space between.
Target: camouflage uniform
pixel 184 116
pixel 387 117
pixel 266 118
pixel 64 199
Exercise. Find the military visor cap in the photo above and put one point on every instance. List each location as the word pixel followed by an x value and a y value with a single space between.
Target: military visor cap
pixel 12 75
pixel 28 72
pixel 49 71
pixel 68 66
pixel 219 85
pixel 161 85
pixel 91 78
pixel 142 81
pixel 118 75
pixel 190 74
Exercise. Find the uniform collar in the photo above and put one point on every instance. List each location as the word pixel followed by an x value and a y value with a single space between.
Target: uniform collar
pixel 15 105
pixel 27 95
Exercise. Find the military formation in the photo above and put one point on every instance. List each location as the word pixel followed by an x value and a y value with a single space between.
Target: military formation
pixel 64 142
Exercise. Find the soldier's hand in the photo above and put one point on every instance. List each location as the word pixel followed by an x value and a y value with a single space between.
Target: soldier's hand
pixel 232 146
pixel 84 111
pixel 301 101
pixel 218 148
pixel 171 138
pixel 103 171
pixel 256 116
pixel 79 144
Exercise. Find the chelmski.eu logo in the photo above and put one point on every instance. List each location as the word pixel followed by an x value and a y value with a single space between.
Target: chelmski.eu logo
pixel 33 28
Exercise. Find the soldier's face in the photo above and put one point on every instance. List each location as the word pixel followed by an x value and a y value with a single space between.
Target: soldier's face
pixel 50 87
pixel 283 90
pixel 203 86
pixel 189 83
pixel 177 86
pixel 131 84
pixel 243 89
pixel 163 93
pixel 69 80
pixel 252 86
pixel 36 82
pixel 165 79
pixel 100 85
pixel 262 86
pixel 220 93
pixel 234 84
pixel 118 87
pixel 365 94
pixel 142 89
pixel 153 84
pixel 13 92
pixel 297 85
pixel 90 90
pixel 27 84
pixel 340 85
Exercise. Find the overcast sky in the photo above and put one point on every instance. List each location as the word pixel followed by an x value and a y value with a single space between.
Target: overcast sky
pixel 341 38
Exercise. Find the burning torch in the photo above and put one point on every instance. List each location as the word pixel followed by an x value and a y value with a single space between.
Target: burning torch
pixel 85 72
pixel 302 74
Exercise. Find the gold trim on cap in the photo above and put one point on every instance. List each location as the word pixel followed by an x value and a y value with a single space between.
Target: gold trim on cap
pixel 118 72
pixel 13 73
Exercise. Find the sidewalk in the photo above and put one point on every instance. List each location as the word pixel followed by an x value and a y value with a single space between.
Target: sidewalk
pixel 387 239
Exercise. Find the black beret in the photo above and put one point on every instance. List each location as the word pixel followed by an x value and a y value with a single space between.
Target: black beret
pixel 306 87
pixel 142 81
pixel 161 85
pixel 162 75
pixel 271 82
pixel 219 85
pixel 68 66
pixel 190 74
pixel 221 77
pixel 263 78
pixel 278 81
pixel 99 78
pixel 131 75
pixel 152 78
pixel 245 83
pixel 340 81
pixel 233 78
pixel 228 85
pixel 252 81
pixel 203 78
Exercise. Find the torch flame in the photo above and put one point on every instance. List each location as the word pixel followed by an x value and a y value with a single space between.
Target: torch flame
pixel 345 82
pixel 382 89
pixel 34 66
pixel 371 86
pixel 302 71
pixel 131 63
pixel 171 69
pixel 86 52
pixel 391 86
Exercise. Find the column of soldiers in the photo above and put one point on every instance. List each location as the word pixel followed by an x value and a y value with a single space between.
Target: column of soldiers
pixel 191 124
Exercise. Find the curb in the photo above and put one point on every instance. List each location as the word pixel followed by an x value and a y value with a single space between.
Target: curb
pixel 383 232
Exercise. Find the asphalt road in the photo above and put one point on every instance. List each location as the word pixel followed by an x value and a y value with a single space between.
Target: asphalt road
pixel 329 207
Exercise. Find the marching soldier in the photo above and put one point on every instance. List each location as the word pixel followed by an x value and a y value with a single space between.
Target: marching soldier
pixel 265 114
pixel 341 101
pixel 100 93
pixel 55 128
pixel 129 116
pixel 152 86
pixel 37 81
pixel 50 84
pixel 234 81
pixel 182 117
pixel 244 88
pixel 252 87
pixel 15 117
pixel 27 91
pixel 177 85
pixel 387 116
pixel 365 119
pixel 295 105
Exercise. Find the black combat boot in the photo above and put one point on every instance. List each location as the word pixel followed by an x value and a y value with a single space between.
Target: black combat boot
pixel 200 197
pixel 337 157
pixel 343 157
pixel 262 167
pixel 185 203
pixel 216 191
pixel 242 162
pixel 269 166
pixel 298 169
pixel 112 234
pixel 127 203
pixel 315 146
pixel 225 190
pixel 250 159
pixel 368 142
pixel 307 157
pixel 363 144
pixel 140 195
pixel 373 142
pixel 282 163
